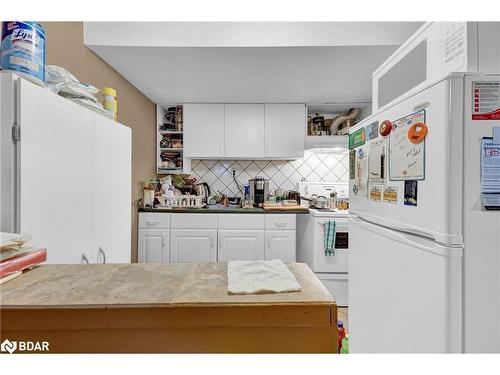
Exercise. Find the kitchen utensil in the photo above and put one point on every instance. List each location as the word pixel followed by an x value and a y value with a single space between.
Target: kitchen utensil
pixel 203 190
pixel 321 202
pixel 313 200
pixel 294 195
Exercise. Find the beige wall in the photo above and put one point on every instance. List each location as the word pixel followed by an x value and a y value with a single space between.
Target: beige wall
pixel 65 48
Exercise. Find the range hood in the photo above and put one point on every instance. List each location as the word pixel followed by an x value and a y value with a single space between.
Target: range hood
pixel 326 144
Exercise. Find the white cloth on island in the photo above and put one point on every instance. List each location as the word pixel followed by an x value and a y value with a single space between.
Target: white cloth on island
pixel 259 277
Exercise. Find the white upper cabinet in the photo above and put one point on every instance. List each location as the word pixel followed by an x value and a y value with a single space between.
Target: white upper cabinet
pixel 244 130
pixel 284 130
pixel 204 130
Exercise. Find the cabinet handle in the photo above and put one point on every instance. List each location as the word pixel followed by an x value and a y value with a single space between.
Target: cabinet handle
pixel 280 225
pixel 84 259
pixel 152 222
pixel 101 251
pixel 269 242
pixel 211 242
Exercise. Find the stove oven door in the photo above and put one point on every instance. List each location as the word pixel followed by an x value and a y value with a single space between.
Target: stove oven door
pixel 331 263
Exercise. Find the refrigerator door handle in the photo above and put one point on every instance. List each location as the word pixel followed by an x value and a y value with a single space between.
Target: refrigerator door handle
pixel 420 242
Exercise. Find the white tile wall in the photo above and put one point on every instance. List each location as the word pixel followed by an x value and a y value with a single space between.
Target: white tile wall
pixel 281 174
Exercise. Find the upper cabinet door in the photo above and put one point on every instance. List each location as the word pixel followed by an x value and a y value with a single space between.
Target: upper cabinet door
pixel 244 130
pixel 203 130
pixel 285 130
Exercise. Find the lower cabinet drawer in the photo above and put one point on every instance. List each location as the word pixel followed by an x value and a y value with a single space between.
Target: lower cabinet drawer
pixel 153 220
pixel 337 285
pixel 194 221
pixel 241 221
pixel 280 221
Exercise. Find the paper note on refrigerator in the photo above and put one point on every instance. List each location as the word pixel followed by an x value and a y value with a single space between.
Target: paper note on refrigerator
pixel 406 159
pixel 376 162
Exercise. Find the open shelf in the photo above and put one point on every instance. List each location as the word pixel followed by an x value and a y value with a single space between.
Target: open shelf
pixel 169 131
pixel 171 155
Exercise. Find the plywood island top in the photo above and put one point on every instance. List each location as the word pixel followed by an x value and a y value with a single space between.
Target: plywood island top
pixel 146 285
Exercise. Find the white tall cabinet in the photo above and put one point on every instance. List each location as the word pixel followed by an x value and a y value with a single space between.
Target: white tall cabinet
pixel 66 177
pixel 111 202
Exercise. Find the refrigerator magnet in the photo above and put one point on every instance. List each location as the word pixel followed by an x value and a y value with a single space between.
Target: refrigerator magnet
pixel 372 131
pixel 376 193
pixel 352 164
pixel 391 194
pixel 417 132
pixel 385 128
pixel 410 193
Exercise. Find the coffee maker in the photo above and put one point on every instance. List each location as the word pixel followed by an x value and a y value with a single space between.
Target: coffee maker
pixel 259 190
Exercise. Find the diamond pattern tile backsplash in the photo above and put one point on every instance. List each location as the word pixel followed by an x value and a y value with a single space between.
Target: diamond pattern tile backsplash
pixel 218 174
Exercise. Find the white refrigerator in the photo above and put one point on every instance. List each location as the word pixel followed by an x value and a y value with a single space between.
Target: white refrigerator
pixel 424 243
pixel 65 175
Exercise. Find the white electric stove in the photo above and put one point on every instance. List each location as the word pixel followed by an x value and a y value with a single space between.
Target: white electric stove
pixel 331 270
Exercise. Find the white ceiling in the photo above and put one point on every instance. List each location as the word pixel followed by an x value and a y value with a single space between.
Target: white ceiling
pixel 171 70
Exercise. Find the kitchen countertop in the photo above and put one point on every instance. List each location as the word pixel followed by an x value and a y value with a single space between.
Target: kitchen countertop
pixel 164 308
pixel 146 284
pixel 219 209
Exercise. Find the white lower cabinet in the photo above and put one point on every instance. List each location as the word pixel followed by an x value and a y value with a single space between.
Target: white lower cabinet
pixel 205 237
pixel 280 244
pixel 153 246
pixel 240 245
pixel 193 245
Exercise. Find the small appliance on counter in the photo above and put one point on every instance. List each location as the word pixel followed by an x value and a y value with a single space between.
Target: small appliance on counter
pixel 259 190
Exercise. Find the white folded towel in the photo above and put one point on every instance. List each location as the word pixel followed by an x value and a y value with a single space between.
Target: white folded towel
pixel 260 276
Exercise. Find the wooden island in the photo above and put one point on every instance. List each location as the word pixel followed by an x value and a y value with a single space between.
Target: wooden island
pixel 164 308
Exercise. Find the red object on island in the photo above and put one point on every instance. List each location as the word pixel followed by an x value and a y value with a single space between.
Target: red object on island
pixel 22 262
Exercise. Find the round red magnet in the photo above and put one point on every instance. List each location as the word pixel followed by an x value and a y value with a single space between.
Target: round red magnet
pixel 385 128
pixel 417 132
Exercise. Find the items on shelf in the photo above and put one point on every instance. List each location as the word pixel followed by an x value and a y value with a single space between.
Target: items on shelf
pixel 170 140
pixel 325 125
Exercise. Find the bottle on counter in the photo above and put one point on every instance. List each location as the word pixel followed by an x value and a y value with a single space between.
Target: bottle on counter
pixel 110 102
pixel 246 202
